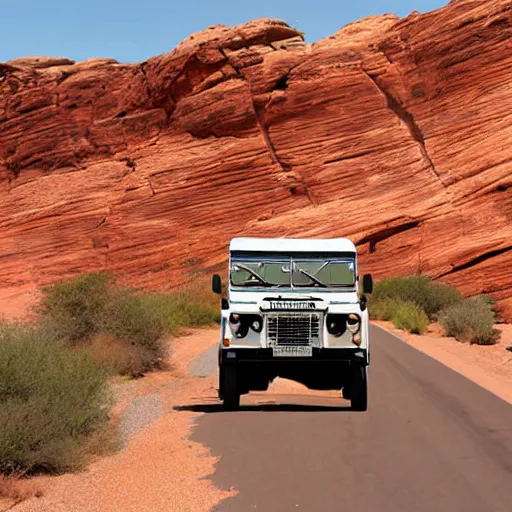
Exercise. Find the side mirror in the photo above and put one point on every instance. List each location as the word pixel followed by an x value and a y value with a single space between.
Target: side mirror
pixel 367 283
pixel 217 284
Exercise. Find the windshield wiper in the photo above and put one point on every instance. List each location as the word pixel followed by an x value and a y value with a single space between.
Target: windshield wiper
pixel 312 277
pixel 252 282
pixel 254 274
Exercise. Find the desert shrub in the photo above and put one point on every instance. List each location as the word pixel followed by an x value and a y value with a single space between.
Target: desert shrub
pixel 383 309
pixel 93 309
pixel 421 290
pixel 118 357
pixel 193 305
pixel 411 317
pixel 133 320
pixel 73 307
pixel 471 320
pixel 404 315
pixel 202 306
pixel 52 398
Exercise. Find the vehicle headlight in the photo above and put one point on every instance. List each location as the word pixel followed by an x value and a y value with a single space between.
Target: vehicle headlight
pixel 353 323
pixel 257 324
pixel 242 322
pixel 336 324
pixel 234 318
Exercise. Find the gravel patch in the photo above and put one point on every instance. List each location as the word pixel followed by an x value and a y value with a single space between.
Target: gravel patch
pixel 205 364
pixel 140 413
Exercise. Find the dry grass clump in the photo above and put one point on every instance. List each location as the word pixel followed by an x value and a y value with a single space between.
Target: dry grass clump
pixel 118 357
pixel 471 320
pixel 404 315
pixel 410 317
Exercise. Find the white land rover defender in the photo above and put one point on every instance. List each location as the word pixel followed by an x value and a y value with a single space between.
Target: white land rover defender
pixel 293 310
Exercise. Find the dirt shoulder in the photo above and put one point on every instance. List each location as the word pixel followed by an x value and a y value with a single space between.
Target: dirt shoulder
pixel 488 366
pixel 159 468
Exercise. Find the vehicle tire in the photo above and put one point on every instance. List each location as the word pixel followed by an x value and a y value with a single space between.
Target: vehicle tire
pixel 230 390
pixel 345 392
pixel 359 389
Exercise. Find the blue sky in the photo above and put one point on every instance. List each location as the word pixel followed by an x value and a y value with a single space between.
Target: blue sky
pixel 132 31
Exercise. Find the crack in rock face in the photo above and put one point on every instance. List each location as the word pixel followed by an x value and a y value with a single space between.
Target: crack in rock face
pixel 408 120
pixel 393 132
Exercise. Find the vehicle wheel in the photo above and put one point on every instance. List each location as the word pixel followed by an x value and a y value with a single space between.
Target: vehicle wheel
pixel 230 390
pixel 345 392
pixel 359 389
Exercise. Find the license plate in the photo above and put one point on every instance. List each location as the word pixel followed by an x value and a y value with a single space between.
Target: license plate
pixel 291 305
pixel 293 351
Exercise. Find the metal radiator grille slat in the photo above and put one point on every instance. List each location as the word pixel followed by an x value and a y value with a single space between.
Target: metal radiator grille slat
pixel 294 329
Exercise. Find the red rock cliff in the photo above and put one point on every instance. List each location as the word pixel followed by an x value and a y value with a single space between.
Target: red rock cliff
pixel 394 132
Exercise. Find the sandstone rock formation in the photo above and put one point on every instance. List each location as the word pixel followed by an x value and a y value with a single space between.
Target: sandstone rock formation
pixel 394 132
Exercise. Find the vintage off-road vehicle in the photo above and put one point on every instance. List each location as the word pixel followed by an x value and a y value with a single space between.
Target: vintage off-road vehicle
pixel 295 308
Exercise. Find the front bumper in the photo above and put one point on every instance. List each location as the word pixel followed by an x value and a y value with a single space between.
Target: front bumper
pixel 320 355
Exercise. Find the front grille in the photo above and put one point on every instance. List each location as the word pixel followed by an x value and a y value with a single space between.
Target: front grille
pixel 296 329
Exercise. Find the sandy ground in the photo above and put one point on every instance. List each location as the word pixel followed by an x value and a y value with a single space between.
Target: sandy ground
pixel 489 366
pixel 16 302
pixel 159 469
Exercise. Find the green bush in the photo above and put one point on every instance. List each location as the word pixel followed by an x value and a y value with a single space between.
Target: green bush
pixel 92 309
pixel 421 290
pixel 411 317
pixel 74 307
pixel 52 398
pixel 404 315
pixel 383 309
pixel 194 305
pixel 133 320
pixel 471 320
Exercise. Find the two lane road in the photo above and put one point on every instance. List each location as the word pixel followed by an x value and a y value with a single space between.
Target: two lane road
pixel 431 441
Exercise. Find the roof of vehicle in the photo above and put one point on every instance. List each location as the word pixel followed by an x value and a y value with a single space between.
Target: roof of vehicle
pixel 292 245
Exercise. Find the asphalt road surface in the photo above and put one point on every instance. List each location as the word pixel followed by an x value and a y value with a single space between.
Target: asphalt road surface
pixel 431 441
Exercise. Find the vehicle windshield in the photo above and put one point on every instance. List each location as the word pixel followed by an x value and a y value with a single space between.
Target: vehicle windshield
pixel 292 272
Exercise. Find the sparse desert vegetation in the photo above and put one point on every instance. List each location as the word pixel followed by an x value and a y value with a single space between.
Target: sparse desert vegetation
pixel 51 400
pixel 54 372
pixel 122 327
pixel 412 302
pixel 471 320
